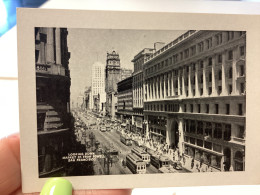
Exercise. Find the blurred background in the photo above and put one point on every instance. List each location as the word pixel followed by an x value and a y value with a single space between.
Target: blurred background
pixel 9 111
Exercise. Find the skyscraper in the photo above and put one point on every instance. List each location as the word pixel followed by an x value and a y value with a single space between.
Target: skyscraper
pixel 98 95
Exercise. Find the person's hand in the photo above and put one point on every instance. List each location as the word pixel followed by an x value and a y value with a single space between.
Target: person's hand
pixel 10 171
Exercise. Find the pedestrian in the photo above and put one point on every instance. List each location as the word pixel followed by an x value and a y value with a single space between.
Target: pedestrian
pixel 184 160
pixel 201 161
pixel 192 163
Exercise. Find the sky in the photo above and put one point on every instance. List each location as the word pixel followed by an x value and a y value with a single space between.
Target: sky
pixel 88 46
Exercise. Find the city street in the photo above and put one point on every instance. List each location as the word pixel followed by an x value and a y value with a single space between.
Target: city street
pixel 110 140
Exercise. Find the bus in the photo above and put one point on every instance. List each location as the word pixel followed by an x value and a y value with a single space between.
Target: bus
pixel 125 140
pixel 142 154
pixel 135 164
pixel 158 160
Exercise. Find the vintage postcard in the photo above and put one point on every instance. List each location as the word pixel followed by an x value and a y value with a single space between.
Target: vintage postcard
pixel 132 99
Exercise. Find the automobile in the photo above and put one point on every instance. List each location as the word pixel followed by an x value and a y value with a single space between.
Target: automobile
pixel 103 129
pixel 108 128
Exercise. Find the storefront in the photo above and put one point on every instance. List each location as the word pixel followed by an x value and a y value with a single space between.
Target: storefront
pixel 210 158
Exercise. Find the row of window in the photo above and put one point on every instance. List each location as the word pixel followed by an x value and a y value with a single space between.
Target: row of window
pixel 178 57
pixel 204 108
pixel 212 130
pixel 162 107
pixel 159 121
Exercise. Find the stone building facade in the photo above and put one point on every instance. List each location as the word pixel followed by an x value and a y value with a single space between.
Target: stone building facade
pixel 125 102
pixel 53 97
pixel 195 97
pixel 138 117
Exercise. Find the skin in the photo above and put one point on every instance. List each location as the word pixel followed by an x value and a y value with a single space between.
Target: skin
pixel 10 171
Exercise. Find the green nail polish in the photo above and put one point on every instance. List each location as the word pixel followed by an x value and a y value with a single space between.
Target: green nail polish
pixel 57 186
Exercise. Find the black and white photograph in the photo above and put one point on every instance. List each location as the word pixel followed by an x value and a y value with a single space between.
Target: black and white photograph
pixel 126 101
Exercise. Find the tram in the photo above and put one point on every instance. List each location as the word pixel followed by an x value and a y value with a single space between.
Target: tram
pixel 125 140
pixel 142 154
pixel 135 164
pixel 158 160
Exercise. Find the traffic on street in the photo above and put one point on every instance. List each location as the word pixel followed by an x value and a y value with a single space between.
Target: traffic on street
pixel 124 152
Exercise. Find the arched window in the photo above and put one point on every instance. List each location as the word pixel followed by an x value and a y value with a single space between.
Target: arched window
pixel 230 73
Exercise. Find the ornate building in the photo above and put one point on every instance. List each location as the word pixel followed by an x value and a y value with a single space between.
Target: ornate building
pixel 194 97
pixel 113 76
pixel 138 95
pixel 53 97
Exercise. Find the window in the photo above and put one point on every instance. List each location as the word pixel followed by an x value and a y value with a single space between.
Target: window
pixel 216 108
pixel 218 39
pixel 208 130
pixel 200 142
pixel 193 80
pixel 230 35
pixel 219 75
pixel 229 89
pixel 240 109
pixel 210 77
pixel 209 43
pixel 242 88
pixel 191 108
pixel 210 61
pixel 198 108
pixel 219 90
pixel 186 53
pixel 241 132
pixel 242 71
pixel 200 46
pixel 207 108
pixel 220 58
pixel 218 131
pixel 192 126
pixel 227 132
pixel 208 145
pixel 201 91
pixel 185 108
pixel 230 73
pixel 230 55
pixel 192 140
pixel 193 50
pixel 200 128
pixel 201 78
pixel 210 90
pixel 227 109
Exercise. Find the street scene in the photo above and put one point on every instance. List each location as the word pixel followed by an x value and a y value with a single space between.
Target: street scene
pixel 103 136
pixel 110 104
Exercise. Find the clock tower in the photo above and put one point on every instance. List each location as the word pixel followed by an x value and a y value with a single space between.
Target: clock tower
pixel 113 76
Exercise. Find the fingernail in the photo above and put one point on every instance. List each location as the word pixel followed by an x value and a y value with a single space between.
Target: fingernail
pixel 57 186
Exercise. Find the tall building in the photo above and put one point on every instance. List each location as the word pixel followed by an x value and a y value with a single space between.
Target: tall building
pixel 53 97
pixel 138 95
pixel 194 97
pixel 113 76
pixel 125 102
pixel 98 96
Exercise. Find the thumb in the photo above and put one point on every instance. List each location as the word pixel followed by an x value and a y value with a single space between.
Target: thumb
pixel 10 177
